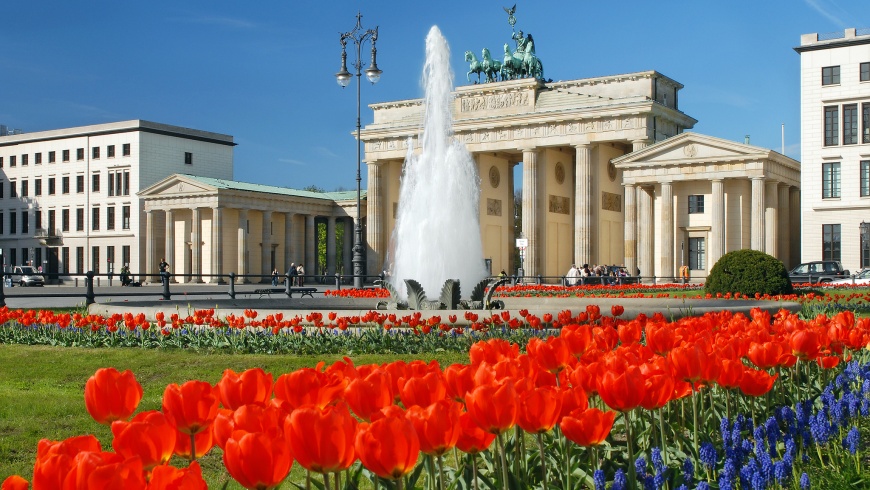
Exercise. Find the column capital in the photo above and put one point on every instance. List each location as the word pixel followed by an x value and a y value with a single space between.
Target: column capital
pixel 582 145
pixel 630 186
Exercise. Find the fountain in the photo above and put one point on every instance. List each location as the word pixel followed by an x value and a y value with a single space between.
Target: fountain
pixel 437 234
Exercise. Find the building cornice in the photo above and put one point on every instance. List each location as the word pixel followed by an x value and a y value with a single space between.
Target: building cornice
pixel 136 125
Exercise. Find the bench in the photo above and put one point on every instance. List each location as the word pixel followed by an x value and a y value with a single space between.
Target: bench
pixel 303 292
pixel 268 291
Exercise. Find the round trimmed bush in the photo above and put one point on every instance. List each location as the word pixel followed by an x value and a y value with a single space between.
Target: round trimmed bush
pixel 748 272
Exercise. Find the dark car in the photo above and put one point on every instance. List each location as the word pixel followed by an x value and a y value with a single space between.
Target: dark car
pixel 820 271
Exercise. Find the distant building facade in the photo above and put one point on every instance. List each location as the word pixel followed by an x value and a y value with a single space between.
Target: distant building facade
pixel 835 147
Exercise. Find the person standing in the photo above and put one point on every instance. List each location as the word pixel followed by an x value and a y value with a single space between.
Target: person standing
pixel 164 267
pixel 274 277
pixel 573 275
pixel 292 273
pixel 300 273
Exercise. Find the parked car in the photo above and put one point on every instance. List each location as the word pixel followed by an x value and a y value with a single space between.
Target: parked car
pixel 820 271
pixel 25 275
pixel 861 279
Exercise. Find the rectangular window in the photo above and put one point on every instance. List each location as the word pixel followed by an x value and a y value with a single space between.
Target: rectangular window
pixel 110 151
pixel 864 72
pixel 37 215
pixel 864 231
pixel 37 187
pixel 1 223
pixel 1 162
pixel 95 219
pixel 831 75
pixel 64 260
pixel 832 121
pixel 850 124
pixel 25 258
pixel 188 158
pixel 110 218
pixel 126 182
pixel 13 222
pixel 64 219
pixel 80 219
pixel 697 254
pixel 13 257
pixel 95 153
pixel 51 157
pixel 1 190
pixel 830 242
pixel 95 259
pixel 80 183
pixel 64 185
pixel 95 183
pixel 25 159
pixel 80 260
pixel 865 123
pixel 865 178
pixel 24 188
pixel 37 159
pixel 111 184
pixel 51 186
pixel 51 221
pixel 110 256
pixel 125 217
pixel 830 180
pixel 80 154
pixel 13 160
pixel 125 149
pixel 118 178
pixel 13 189
pixel 65 155
pixel 696 204
pixel 125 255
pixel 25 222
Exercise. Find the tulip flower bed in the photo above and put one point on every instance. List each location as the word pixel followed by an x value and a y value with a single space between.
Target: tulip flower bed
pixel 717 401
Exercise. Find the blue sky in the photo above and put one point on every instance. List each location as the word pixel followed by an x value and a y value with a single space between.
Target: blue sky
pixel 264 71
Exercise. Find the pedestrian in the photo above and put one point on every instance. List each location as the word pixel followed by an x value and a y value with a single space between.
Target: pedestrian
pixel 274 277
pixel 164 267
pixel 300 273
pixel 292 273
pixel 573 275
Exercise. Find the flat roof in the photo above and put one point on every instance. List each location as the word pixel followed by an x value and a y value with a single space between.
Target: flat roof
pixel 115 128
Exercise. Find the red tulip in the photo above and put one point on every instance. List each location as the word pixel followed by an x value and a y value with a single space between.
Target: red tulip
pixel 166 477
pixel 99 470
pixel 204 441
pixel 14 482
pixel 459 379
pixel 571 399
pixel 617 310
pixel 472 439
pixel 579 338
pixel 149 436
pixel 322 440
pixel 623 391
pixel 767 355
pixel 253 386
pixel 687 362
pixel 111 396
pixel 493 406
pixel 730 374
pixel 658 391
pixel 587 427
pixel 756 383
pixel 423 390
pixel 437 425
pixel 191 407
pixel 805 344
pixel 366 396
pixel 308 386
pixel 54 459
pixel 539 409
pixel 660 338
pixel 258 460
pixel 552 354
pixel 388 447
pixel 629 333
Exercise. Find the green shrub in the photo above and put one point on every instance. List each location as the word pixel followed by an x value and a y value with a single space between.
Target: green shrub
pixel 748 272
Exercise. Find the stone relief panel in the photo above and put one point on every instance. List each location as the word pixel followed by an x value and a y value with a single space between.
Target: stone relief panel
pixel 493 102
pixel 611 201
pixel 493 207
pixel 559 204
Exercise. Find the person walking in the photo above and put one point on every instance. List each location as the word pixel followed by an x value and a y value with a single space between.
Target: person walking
pixel 274 277
pixel 164 267
pixel 292 273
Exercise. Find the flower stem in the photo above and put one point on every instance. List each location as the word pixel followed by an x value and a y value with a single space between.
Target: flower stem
pixel 441 472
pixel 543 460
pixel 192 448
pixel 474 470
pixel 504 469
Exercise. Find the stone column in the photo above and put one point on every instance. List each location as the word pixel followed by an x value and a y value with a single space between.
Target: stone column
pixel 783 221
pixel 217 257
pixel 376 209
pixel 630 253
pixel 583 203
pixel 196 244
pixel 266 261
pixel 771 225
pixel 645 233
pixel 794 197
pixel 310 235
pixel 330 245
pixel 639 144
pixel 530 211
pixel 150 247
pixel 289 248
pixel 347 249
pixel 718 226
pixel 242 259
pixel 756 230
pixel 170 241
pixel 667 232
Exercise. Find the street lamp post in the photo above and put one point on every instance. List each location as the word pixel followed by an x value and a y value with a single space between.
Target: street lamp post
pixel 358 37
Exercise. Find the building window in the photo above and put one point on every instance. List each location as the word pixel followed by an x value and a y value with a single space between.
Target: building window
pixel 24 188
pixel 37 159
pixel 38 218
pixel 850 124
pixel 13 190
pixel 119 183
pixel 25 222
pixel 51 221
pixel 1 190
pixel 188 158
pixel 830 180
pixel 13 222
pixel 110 256
pixel 830 242
pixel 697 254
pixel 110 218
pixel 25 160
pixel 864 70
pixel 125 149
pixel 831 75
pixel 95 183
pixel 696 204
pixel 51 186
pixel 1 222
pixel 64 260
pixel 80 219
pixel 95 153
pixel 80 154
pixel 13 257
pixel 37 187
pixel 865 178
pixel 95 259
pixel 80 183
pixel 65 155
pixel 95 219
pixel 125 255
pixel 832 121
pixel 64 219
pixel 51 157
pixel 110 151
pixel 1 162
pixel 13 160
pixel 865 124
pixel 125 217
pixel 80 260
pixel 64 185
pixel 865 244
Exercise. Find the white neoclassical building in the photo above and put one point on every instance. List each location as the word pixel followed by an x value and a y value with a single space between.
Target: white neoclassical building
pixel 835 146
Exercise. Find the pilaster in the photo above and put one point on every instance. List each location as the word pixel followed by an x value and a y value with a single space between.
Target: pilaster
pixel 667 232
pixel 150 246
pixel 630 253
pixel 242 259
pixel 217 256
pixel 583 205
pixel 530 211
pixel 756 231
pixel 717 225
pixel 196 245
pixel 169 255
pixel 266 247
pixel 771 222
pixel 375 209
pixel 645 232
